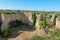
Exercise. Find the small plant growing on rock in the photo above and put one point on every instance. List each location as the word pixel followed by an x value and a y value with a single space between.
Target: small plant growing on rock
pixel 5 32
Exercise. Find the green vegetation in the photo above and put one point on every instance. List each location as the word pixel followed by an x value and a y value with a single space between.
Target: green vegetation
pixel 59 19
pixel 5 32
pixel 49 17
pixel 8 11
pixel 43 23
pixel 38 38
pixel 55 35
pixel 15 23
pixel 34 18
pixel 42 12
pixel 49 25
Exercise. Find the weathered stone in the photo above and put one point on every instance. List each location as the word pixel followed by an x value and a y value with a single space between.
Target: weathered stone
pixel 28 18
pixel 57 23
pixel 53 20
pixel 38 17
pixel 25 17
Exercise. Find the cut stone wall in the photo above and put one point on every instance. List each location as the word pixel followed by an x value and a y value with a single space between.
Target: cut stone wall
pixel 29 18
pixel 53 20
pixel 25 17
pixel 57 23
pixel 38 17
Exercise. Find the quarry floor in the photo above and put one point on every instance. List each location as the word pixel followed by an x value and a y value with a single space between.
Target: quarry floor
pixel 22 34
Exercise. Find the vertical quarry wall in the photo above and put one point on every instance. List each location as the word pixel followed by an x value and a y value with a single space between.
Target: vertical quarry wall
pixel 53 20
pixel 25 17
pixel 57 23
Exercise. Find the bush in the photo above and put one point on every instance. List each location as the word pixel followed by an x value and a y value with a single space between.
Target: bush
pixel 15 23
pixel 5 32
pixel 42 24
pixel 34 18
pixel 49 25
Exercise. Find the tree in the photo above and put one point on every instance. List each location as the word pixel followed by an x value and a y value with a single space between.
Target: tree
pixel 34 18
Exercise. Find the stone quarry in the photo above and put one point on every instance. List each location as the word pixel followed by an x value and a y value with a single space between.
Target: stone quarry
pixel 25 17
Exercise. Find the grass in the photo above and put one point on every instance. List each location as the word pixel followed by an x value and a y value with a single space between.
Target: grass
pixel 59 19
pixel 55 35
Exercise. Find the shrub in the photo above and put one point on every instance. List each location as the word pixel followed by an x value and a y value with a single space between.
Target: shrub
pixel 34 18
pixel 15 23
pixel 49 25
pixel 42 24
pixel 5 32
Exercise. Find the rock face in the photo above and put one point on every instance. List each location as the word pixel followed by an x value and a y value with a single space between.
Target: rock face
pixel 57 23
pixel 25 17
pixel 38 17
pixel 0 20
pixel 28 18
pixel 53 20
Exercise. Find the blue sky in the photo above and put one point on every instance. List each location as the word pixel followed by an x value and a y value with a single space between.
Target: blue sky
pixel 41 5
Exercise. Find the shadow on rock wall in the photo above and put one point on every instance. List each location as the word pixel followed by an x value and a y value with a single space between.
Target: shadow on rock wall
pixel 18 30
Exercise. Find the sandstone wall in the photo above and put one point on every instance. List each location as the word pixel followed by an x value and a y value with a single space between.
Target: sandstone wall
pixel 57 23
pixel 25 17
pixel 38 17
pixel 53 20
